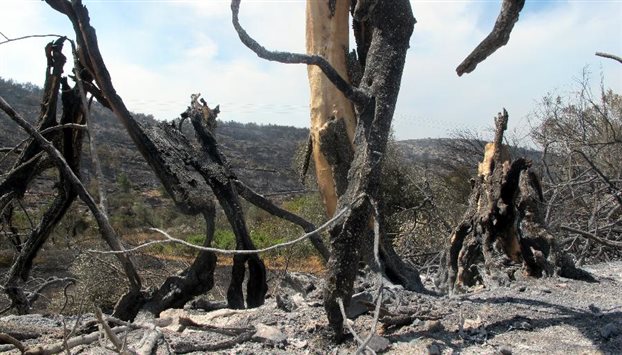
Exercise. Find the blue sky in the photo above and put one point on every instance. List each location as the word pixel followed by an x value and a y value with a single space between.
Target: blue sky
pixel 160 52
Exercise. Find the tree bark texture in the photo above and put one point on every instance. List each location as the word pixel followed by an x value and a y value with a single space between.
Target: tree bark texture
pixel 32 162
pixel 186 177
pixel 391 24
pixel 503 227
pixel 327 35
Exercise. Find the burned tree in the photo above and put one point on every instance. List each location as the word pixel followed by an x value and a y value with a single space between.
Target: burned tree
pixel 503 233
pixel 188 172
pixel 390 25
pixel 54 144
pixel 382 30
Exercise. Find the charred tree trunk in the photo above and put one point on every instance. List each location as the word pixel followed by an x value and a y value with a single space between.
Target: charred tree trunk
pixel 502 232
pixel 389 25
pixel 384 30
pixel 179 166
pixel 32 162
pixel 187 173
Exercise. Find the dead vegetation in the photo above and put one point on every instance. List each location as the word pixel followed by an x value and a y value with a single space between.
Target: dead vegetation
pixel 504 237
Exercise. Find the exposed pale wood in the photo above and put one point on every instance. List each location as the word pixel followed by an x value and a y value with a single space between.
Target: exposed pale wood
pixel 327 35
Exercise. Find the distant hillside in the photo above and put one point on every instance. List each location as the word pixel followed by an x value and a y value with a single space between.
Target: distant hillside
pixel 262 155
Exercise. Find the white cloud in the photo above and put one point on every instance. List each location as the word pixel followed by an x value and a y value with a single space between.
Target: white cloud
pixel 160 53
pixel 546 50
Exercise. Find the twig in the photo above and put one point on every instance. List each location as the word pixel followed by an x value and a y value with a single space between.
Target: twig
pixel 108 331
pixel 609 56
pixel 499 37
pixel 73 342
pixel 347 324
pixel 354 94
pixel 336 219
pixel 27 37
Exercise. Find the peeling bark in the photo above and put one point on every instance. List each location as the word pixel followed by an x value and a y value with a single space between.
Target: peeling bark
pixel 327 35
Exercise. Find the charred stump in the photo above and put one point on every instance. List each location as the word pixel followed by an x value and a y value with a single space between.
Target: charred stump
pixel 502 234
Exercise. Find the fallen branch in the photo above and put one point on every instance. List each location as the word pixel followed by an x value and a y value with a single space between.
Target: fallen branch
pixel 114 339
pixel 188 347
pixel 189 323
pixel 150 341
pixel 72 342
pixel 7 339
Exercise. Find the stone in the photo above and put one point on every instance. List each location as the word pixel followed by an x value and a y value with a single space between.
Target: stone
pixel 505 350
pixel 472 324
pixel 299 344
pixel 285 303
pixel 610 330
pixel 434 349
pixel 300 282
pixel 269 335
pixel 379 344
pixel 358 304
pixel 433 326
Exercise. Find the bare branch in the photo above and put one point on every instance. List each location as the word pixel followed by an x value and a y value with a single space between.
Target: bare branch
pixel 265 204
pixel 36 293
pixel 615 191
pixel 354 94
pixel 169 239
pixel 106 229
pixel 27 37
pixel 609 56
pixel 499 37
pixel 594 237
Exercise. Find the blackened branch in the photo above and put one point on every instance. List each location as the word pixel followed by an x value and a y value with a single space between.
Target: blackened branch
pixel 354 94
pixel 610 56
pixel 499 37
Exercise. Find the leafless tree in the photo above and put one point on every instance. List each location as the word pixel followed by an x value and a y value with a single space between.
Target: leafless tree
pixel 581 140
pixel 352 141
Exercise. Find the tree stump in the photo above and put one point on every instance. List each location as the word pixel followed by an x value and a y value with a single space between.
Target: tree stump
pixel 502 234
